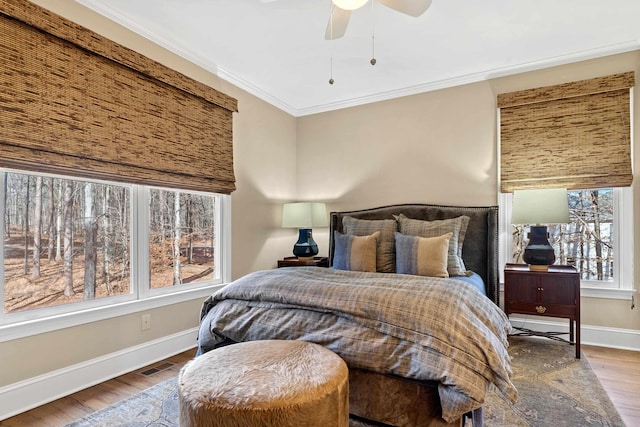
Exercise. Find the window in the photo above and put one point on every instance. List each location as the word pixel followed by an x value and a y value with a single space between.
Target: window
pixel 65 241
pixel 71 244
pixel 182 230
pixel 598 241
pixel 587 126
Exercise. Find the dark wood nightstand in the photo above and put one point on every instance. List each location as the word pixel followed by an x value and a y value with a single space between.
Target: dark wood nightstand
pixel 552 293
pixel 291 261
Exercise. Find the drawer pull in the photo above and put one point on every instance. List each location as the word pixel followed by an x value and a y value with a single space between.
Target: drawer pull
pixel 541 309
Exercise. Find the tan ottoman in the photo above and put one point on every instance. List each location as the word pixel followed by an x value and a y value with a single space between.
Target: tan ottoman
pixel 265 383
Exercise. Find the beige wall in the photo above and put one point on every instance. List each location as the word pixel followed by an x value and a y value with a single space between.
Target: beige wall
pixel 438 147
pixel 39 354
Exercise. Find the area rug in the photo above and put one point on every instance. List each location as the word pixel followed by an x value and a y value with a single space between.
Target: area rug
pixel 554 390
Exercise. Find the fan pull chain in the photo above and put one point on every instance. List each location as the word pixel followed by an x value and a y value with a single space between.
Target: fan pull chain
pixel 331 71
pixel 331 81
pixel 373 34
pixel 373 51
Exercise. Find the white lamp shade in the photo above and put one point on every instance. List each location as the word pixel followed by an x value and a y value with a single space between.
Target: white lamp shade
pixel 349 4
pixel 304 215
pixel 546 206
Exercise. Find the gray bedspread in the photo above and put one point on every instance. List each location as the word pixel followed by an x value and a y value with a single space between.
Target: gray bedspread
pixel 414 327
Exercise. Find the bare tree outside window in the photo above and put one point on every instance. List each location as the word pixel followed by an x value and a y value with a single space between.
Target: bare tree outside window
pixel 70 240
pixel 181 237
pixel 587 242
pixel 83 226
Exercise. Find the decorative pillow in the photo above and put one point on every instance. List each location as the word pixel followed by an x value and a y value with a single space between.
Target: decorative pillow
pixel 457 226
pixel 386 250
pixel 422 256
pixel 356 253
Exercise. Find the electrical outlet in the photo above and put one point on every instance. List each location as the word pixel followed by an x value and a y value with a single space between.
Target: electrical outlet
pixel 146 321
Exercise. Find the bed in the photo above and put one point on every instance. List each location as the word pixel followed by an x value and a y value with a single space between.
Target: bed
pixel 423 349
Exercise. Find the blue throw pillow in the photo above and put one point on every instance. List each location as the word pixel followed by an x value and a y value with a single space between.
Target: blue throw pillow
pixel 422 256
pixel 356 253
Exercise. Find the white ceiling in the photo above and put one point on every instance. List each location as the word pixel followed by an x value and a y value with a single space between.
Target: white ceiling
pixel 275 49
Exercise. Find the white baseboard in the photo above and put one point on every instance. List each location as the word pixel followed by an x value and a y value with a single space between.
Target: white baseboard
pixel 601 336
pixel 25 395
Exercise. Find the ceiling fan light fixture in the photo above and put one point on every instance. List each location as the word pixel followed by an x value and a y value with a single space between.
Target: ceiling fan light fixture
pixel 349 4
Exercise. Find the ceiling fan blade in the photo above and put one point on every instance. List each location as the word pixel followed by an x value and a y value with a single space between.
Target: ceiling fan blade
pixel 337 25
pixel 408 7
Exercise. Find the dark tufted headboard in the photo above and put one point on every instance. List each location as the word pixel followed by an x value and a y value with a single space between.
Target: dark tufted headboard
pixel 480 248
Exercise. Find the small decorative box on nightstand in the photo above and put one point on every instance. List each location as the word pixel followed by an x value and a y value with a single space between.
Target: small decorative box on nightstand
pixel 553 293
pixel 318 261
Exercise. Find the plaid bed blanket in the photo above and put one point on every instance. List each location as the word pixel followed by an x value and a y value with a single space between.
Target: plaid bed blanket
pixel 420 328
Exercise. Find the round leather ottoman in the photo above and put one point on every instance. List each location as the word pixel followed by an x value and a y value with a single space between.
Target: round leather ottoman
pixel 265 383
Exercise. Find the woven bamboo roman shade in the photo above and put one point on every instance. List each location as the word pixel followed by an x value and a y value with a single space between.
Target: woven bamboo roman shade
pixel 575 135
pixel 76 103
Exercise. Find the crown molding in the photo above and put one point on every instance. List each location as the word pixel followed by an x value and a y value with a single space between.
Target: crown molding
pixel 104 9
pixel 476 77
pixel 256 91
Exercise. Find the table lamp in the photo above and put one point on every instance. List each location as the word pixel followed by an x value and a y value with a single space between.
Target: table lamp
pixel 545 206
pixel 304 216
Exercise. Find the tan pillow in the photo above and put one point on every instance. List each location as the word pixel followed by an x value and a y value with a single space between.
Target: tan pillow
pixel 422 256
pixel 356 253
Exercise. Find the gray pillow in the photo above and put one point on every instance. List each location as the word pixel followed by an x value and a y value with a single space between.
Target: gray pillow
pixel 457 226
pixel 386 249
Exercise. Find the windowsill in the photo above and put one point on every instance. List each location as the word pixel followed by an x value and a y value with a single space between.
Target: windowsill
pixel 52 323
pixel 590 292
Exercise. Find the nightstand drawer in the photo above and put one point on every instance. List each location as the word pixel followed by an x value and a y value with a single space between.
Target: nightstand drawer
pixel 543 309
pixel 542 290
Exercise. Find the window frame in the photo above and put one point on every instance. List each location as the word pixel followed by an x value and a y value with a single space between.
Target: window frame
pixel 142 297
pixel 622 287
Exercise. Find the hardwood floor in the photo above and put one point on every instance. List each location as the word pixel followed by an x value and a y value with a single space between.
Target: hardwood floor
pixel 67 409
pixel 617 370
pixel 619 374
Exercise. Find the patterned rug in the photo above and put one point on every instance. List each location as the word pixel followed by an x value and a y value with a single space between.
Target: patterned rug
pixel 555 389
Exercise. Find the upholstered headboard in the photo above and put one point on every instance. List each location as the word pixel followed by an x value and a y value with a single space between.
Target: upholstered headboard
pixel 480 248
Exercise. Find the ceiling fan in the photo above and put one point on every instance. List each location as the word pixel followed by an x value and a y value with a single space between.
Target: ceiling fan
pixel 341 12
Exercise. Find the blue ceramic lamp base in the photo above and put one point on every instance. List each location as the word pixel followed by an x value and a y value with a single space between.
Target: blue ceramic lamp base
pixel 538 251
pixel 305 247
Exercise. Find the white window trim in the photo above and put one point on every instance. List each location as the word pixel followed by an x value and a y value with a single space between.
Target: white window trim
pixel 67 320
pixel 622 287
pixel 49 319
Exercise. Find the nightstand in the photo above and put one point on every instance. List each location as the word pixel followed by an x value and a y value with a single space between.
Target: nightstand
pixel 553 293
pixel 291 261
